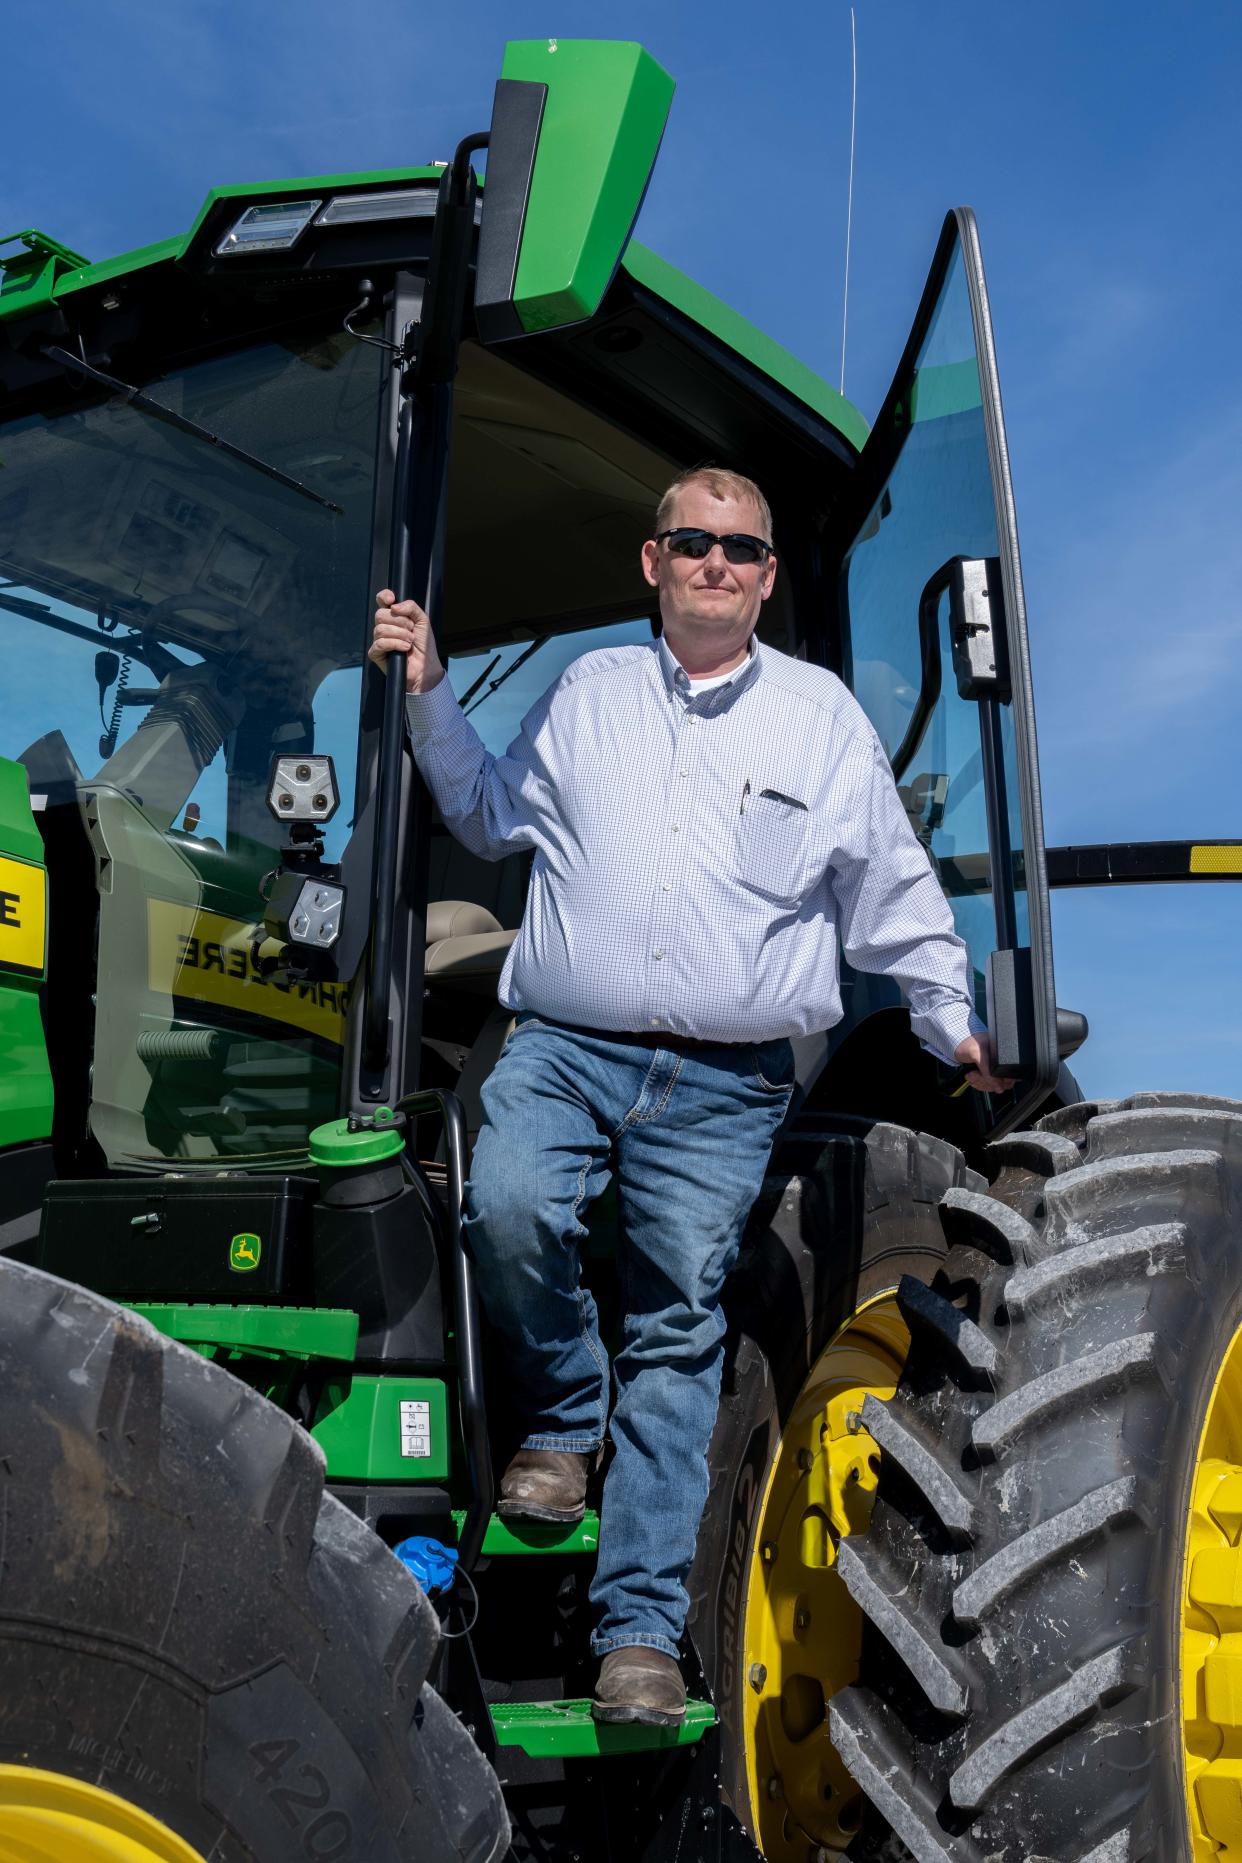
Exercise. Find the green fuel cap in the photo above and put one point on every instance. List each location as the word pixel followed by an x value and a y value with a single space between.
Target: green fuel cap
pixel 367 1138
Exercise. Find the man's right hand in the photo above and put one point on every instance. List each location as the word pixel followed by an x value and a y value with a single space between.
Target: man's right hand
pixel 402 627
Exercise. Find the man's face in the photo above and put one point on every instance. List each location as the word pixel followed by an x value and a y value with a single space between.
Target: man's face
pixel 710 596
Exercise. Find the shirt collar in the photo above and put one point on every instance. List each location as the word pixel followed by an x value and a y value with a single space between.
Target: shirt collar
pixel 679 684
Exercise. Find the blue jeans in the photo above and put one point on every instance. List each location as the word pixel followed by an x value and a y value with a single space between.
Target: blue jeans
pixel 688 1135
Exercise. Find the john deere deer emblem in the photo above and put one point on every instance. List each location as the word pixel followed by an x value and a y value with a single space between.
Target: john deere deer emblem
pixel 244 1252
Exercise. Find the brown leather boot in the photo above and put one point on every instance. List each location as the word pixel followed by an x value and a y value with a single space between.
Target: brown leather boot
pixel 640 1684
pixel 545 1484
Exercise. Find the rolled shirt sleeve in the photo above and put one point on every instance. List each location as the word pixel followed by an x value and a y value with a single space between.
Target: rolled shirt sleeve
pixel 894 919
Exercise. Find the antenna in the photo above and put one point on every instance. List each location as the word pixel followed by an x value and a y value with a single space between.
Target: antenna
pixel 849 202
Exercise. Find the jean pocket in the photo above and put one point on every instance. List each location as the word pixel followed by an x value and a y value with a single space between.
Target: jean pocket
pixel 773 846
pixel 773 1065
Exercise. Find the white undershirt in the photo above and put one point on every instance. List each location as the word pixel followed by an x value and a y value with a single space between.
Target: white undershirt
pixel 713 679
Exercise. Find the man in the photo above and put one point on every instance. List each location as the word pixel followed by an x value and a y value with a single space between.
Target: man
pixel 707 816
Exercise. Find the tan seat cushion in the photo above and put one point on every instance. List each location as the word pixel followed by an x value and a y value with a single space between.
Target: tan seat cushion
pixel 458 918
pixel 472 963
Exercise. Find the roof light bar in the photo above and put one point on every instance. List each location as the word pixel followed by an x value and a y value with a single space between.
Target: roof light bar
pixel 397 204
pixel 273 226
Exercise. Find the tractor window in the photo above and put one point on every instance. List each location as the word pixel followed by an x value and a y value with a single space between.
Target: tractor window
pixel 936 502
pixel 498 686
pixel 171 620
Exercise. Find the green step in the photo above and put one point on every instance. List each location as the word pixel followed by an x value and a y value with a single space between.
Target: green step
pixel 268 1332
pixel 565 1730
pixel 534 1536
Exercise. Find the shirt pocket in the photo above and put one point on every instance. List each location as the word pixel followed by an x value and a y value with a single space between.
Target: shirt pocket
pixel 773 845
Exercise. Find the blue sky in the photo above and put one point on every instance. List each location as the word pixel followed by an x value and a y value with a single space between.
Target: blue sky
pixel 1099 146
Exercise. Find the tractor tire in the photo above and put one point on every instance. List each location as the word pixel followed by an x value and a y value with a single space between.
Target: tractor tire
pixel 191 1627
pixel 847 1210
pixel 1053 1544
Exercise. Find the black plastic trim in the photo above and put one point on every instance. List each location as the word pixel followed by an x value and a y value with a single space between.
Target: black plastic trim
pixel 517 116
pixel 1134 863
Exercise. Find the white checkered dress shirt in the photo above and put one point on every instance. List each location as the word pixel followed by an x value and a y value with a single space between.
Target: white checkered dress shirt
pixel 698 856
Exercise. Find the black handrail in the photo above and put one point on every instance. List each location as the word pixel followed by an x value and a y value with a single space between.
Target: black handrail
pixel 470 1395
pixel 929 687
pixel 418 503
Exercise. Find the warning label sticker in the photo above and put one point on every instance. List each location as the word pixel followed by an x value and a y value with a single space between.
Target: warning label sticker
pixel 415 1427
pixel 23 916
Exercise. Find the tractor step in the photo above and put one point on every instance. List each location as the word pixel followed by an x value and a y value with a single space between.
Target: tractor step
pixel 533 1536
pixel 261 1332
pixel 565 1730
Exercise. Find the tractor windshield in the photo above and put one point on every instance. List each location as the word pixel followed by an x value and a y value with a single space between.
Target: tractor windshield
pixel 172 619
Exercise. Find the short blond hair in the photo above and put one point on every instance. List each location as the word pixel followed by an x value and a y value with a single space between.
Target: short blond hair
pixel 721 484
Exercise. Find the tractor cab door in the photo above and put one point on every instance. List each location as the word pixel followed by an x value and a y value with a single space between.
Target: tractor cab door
pixel 933 644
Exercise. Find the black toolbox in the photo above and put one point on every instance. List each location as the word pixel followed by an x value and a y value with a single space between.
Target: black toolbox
pixel 235 1239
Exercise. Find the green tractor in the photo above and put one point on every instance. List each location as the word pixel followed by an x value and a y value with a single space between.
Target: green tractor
pixel 966 1584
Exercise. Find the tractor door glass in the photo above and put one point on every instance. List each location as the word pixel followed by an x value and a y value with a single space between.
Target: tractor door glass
pixel 171 620
pixel 934 485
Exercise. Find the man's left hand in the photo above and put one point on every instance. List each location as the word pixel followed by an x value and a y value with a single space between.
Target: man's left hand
pixel 976 1054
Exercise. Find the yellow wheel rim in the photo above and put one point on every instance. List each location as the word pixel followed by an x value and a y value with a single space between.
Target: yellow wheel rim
pixel 47 1817
pixel 1212 1624
pixel 802 1628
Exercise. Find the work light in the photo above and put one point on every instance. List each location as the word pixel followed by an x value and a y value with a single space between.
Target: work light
pixel 316 915
pixel 303 789
pixel 396 204
pixel 273 226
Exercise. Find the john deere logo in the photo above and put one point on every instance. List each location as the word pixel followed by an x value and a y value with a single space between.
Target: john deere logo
pixel 244 1252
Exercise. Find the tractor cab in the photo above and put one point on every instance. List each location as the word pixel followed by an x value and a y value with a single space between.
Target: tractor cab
pixel 246 1061
pixel 216 450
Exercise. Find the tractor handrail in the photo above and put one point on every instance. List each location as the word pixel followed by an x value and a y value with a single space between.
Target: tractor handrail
pixel 930 682
pixel 418 504
pixel 466 1315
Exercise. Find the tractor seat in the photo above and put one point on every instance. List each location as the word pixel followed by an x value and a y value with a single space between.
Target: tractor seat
pixel 466 947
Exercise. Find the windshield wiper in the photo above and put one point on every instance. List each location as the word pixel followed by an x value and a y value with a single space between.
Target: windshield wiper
pixel 65 359
pixel 508 673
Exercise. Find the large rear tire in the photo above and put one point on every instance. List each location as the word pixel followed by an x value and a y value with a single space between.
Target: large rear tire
pixel 191 1625
pixel 1056 1545
pixel 847 1210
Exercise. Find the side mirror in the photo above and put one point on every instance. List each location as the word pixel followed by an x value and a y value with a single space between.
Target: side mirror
pixel 576 128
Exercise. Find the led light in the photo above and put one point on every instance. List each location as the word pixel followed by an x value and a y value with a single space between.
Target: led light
pixel 303 789
pixel 316 916
pixel 397 204
pixel 272 227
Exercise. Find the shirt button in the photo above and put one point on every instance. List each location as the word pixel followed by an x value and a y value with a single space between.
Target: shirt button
pixel 655 1022
pixel 657 955
pixel 674 829
pixel 664 889
pixel 685 772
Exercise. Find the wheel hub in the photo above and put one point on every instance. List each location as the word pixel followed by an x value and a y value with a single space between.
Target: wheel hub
pixel 48 1817
pixel 802 1629
pixel 1212 1625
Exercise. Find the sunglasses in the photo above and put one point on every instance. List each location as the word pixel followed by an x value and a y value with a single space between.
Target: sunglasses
pixel 737 546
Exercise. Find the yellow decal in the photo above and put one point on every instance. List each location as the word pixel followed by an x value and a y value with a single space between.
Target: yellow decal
pixel 244 1252
pixel 207 958
pixel 23 917
pixel 1216 859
